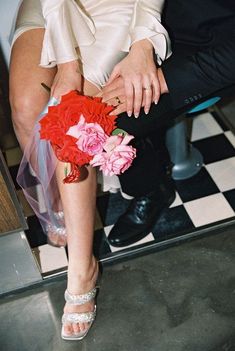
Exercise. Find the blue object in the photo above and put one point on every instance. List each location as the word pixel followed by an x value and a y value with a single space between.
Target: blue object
pixel 205 104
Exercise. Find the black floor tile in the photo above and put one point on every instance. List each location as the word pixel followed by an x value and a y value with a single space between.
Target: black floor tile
pixel 35 234
pixel 101 246
pixel 215 148
pixel 172 223
pixel 31 180
pixel 110 207
pixel 197 186
pixel 230 197
pixel 13 172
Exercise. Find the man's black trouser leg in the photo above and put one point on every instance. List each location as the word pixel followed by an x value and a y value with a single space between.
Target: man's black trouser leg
pixel 149 130
pixel 146 178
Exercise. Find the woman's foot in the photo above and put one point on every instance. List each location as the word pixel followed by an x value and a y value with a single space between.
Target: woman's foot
pixel 79 284
pixel 57 233
pixel 56 239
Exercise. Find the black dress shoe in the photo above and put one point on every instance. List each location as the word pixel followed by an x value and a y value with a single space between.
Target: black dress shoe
pixel 141 215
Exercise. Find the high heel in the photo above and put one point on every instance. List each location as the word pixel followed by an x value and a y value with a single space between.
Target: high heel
pixel 84 317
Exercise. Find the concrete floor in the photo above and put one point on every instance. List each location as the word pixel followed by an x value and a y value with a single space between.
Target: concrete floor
pixel 179 299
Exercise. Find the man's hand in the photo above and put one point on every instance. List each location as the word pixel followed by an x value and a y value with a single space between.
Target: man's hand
pixel 162 81
pixel 66 79
pixel 114 93
pixel 140 79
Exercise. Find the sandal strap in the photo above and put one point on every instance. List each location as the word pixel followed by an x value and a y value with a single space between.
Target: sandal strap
pixel 56 230
pixel 79 299
pixel 85 317
pixel 59 215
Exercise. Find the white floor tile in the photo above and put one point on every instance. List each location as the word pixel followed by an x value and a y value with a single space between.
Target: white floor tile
pixel 107 229
pixel 231 137
pixel 205 126
pixel 208 209
pixel 223 173
pixel 52 258
pixel 147 239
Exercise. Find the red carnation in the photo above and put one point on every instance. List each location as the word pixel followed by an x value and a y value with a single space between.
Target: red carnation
pixel 58 120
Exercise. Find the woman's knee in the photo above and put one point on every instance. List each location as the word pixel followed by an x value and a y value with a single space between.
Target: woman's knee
pixel 24 110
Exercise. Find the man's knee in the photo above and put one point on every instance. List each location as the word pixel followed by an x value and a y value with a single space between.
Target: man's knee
pixel 159 116
pixel 138 127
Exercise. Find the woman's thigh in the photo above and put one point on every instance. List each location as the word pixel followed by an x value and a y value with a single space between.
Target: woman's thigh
pixel 27 96
pixel 89 88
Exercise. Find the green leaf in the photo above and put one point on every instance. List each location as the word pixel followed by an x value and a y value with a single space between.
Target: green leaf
pixel 66 170
pixel 119 131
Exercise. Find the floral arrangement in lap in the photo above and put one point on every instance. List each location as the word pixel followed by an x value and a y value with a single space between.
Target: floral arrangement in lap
pixel 82 132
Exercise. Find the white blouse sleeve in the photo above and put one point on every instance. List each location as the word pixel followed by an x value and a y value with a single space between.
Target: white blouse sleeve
pixel 66 27
pixel 146 24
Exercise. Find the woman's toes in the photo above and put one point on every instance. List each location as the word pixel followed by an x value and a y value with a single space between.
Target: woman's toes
pixel 68 329
pixel 85 326
pixel 82 326
pixel 76 328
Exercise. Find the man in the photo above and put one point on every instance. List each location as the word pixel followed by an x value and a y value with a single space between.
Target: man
pixel 202 65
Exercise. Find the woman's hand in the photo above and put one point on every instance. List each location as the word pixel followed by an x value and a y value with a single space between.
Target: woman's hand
pixel 139 73
pixel 66 79
pixel 114 93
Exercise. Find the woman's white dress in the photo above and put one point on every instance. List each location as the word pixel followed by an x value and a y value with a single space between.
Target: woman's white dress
pixel 97 32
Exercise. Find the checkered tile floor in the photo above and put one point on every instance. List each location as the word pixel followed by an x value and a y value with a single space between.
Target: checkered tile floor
pixel 202 202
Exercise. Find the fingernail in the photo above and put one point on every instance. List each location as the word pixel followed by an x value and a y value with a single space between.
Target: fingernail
pixel 136 115
pixel 129 113
pixel 156 102
pixel 146 111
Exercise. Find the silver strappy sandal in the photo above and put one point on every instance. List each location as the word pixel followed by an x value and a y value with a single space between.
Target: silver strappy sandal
pixel 84 317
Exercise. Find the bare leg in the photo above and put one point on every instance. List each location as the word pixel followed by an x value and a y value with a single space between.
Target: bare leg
pixel 79 203
pixel 79 219
pixel 27 96
pixel 27 100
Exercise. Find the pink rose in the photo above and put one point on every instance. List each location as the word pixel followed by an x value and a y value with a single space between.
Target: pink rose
pixel 91 136
pixel 113 141
pixel 118 156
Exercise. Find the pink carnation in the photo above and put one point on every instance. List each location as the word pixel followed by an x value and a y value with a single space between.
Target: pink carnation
pixel 118 156
pixel 91 136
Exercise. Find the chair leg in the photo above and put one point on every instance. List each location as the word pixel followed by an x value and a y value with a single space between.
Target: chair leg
pixel 187 160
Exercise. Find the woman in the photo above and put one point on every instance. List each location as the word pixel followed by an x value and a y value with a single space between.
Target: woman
pixel 79 45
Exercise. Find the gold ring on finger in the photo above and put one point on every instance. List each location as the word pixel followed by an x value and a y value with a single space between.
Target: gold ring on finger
pixel 147 88
pixel 118 100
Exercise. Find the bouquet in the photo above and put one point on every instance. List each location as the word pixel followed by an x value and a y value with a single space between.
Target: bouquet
pixel 82 132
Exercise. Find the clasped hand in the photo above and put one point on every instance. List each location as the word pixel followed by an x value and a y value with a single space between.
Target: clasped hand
pixel 133 82
pixel 66 79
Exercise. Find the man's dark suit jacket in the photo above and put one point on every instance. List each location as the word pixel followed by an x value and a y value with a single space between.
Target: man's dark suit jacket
pixel 203 44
